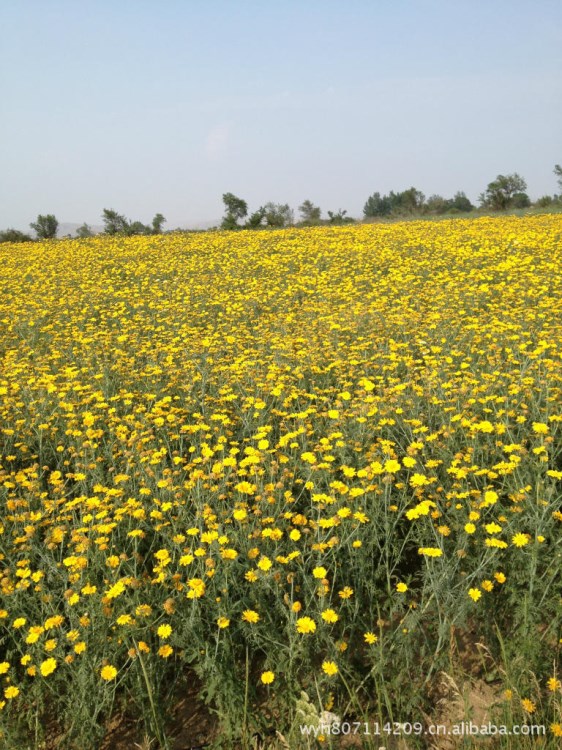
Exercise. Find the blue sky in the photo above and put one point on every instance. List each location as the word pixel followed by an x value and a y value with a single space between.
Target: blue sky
pixel 146 106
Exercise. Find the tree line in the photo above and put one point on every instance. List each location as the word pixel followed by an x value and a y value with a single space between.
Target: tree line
pixel 504 193
pixel 46 227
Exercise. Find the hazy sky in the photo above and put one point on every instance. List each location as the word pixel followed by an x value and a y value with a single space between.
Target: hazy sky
pixel 163 105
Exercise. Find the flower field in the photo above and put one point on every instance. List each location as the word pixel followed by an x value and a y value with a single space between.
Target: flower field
pixel 311 469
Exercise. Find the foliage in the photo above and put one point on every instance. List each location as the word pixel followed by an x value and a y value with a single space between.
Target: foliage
pixel 548 200
pixel 407 202
pixel 256 219
pixel 412 202
pixel 500 194
pixel 115 223
pixel 377 205
pixel 235 208
pixel 157 224
pixel 45 226
pixel 310 214
pixel 14 235
pixel 558 173
pixel 84 231
pixel 520 200
pixel 339 217
pixel 278 215
pixel 307 467
pixel 460 202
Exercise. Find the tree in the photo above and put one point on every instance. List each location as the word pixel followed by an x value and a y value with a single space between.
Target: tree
pixel 500 193
pixel 520 200
pixel 410 201
pixel 46 227
pixel 157 223
pixel 436 204
pixel 545 201
pixel 278 215
pixel 377 205
pixel 114 223
pixel 339 217
pixel 235 209
pixel 461 203
pixel 255 220
pixel 558 173
pixel 309 212
pixel 14 235
pixel 137 227
pixel 84 231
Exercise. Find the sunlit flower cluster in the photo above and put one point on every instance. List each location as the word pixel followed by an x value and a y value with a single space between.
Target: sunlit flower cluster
pixel 278 440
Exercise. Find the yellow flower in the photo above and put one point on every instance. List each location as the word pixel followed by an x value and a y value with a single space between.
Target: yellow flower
pixel 306 625
pixel 401 587
pixel 264 563
pixel 164 631
pixel 319 572
pixel 108 673
pixel 116 590
pixel 528 705
pixel 246 488
pixel 540 428
pixel 267 677
pixel 19 623
pixel 329 615
pixel 196 588
pixel 554 685
pixel 520 540
pixel 498 543
pixel 308 457
pixel 474 594
pixel 470 528
pixel 47 667
pixel 370 638
pixel 346 592
pixel 11 692
pixel 419 480
pixel 223 622
pixel 53 622
pixel 4 667
pixel 250 615
pixel 430 551
pixel 165 651
pixel 330 668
